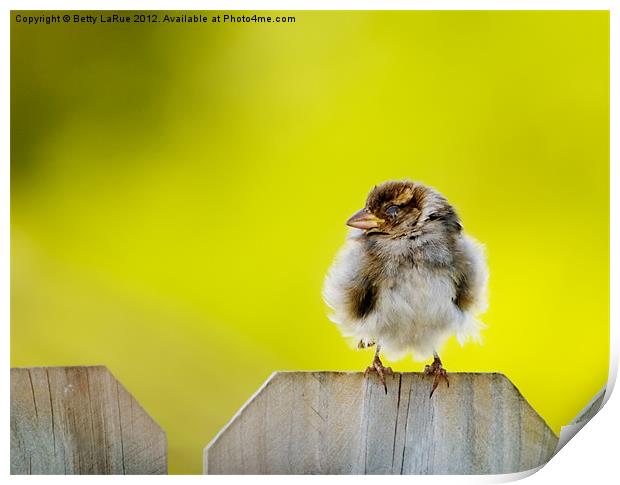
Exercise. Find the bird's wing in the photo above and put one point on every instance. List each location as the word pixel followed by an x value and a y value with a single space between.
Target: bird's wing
pixel 470 276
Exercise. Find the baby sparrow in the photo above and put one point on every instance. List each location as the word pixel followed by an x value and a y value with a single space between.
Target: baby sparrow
pixel 407 277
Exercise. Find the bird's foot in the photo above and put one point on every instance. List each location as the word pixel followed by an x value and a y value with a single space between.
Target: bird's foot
pixel 364 344
pixel 437 370
pixel 377 366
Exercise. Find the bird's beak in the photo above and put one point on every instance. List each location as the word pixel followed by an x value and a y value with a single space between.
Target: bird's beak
pixel 364 219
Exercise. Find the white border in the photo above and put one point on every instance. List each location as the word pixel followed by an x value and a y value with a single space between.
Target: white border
pixel 591 457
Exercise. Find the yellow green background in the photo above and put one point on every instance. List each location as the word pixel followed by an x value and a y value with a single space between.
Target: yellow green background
pixel 179 191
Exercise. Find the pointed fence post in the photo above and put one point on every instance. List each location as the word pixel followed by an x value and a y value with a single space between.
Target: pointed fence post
pixel 342 423
pixel 80 420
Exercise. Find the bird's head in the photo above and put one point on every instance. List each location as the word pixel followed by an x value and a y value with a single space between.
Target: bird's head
pixel 402 208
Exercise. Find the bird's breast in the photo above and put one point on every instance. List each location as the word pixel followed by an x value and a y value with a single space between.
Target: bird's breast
pixel 416 295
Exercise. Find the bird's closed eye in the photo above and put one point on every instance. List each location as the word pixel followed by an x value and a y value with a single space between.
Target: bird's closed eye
pixel 392 210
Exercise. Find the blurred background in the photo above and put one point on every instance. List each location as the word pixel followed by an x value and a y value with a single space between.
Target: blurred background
pixel 179 191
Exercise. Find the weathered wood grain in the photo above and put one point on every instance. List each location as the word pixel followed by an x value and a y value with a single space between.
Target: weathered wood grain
pixel 593 407
pixel 341 423
pixel 80 420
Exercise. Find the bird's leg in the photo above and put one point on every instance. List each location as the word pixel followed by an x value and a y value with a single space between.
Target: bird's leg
pixel 437 370
pixel 377 366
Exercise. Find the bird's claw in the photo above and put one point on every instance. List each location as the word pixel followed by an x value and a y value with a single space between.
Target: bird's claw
pixel 364 344
pixel 436 369
pixel 377 366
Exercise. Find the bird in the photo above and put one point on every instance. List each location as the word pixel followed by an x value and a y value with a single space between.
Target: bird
pixel 407 278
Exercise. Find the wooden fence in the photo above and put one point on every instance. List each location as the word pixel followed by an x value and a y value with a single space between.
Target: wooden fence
pixel 341 423
pixel 81 420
